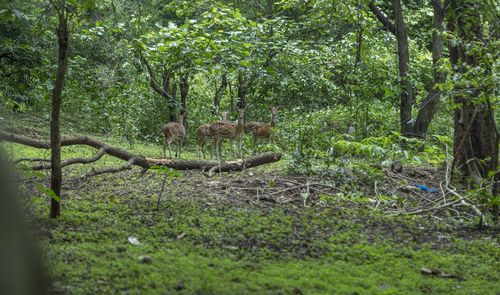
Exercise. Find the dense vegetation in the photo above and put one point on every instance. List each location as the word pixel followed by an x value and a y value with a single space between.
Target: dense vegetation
pixel 384 115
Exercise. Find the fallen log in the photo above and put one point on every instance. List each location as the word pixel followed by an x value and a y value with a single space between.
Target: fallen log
pixel 102 148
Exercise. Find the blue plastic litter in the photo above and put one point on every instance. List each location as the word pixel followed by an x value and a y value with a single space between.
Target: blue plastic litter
pixel 426 188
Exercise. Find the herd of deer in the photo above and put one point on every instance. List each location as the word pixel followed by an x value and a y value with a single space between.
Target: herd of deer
pixel 175 132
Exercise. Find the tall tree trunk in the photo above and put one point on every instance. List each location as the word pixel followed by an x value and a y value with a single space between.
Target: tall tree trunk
pixel 476 138
pixel 429 106
pixel 184 88
pixel 165 87
pixel 218 94
pixel 359 32
pixel 406 96
pixel 242 90
pixel 398 28
pixel 55 135
pixel 169 92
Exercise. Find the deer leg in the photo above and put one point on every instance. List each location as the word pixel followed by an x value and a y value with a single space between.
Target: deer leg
pixel 201 151
pixel 215 147
pixel 231 148
pixel 239 148
pixel 179 148
pixel 218 149
pixel 221 148
pixel 165 148
pixel 212 149
pixel 169 150
pixel 220 145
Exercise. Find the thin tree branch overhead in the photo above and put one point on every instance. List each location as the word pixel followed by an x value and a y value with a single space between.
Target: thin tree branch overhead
pixel 382 17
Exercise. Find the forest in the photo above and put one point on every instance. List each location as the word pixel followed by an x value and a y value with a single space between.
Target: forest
pixel 249 147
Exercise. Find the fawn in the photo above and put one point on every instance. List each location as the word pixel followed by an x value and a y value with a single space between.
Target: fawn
pixel 174 132
pixel 262 131
pixel 232 131
pixel 203 136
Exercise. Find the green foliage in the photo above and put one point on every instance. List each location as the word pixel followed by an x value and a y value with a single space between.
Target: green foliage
pixel 320 138
pixel 171 173
pixel 299 56
pixel 48 192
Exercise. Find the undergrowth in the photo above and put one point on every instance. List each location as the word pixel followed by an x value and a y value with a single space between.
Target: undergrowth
pixel 111 238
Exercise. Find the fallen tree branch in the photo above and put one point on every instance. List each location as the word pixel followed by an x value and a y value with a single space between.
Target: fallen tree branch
pixel 31 160
pixel 96 172
pixel 95 158
pixel 138 160
pixel 242 164
pixel 433 208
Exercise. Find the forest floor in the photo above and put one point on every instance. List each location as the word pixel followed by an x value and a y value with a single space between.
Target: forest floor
pixel 262 230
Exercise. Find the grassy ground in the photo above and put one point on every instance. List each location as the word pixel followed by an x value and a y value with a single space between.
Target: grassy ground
pixel 210 237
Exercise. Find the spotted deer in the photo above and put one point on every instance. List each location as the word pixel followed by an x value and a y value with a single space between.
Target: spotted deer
pixel 203 136
pixel 229 130
pixel 262 131
pixel 174 132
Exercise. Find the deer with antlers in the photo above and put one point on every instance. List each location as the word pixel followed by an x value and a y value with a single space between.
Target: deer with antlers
pixel 229 130
pixel 174 132
pixel 203 136
pixel 262 131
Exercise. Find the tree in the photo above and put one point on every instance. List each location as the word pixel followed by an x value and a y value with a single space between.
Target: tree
pixel 476 137
pixel 406 96
pixel 55 133
pixel 398 29
pixel 430 104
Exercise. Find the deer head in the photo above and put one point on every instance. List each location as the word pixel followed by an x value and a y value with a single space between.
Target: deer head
pixel 273 115
pixel 180 120
pixel 241 117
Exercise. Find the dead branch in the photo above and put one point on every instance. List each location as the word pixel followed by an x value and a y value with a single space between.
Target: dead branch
pixel 96 172
pixel 31 160
pixel 138 160
pixel 242 164
pixel 95 158
pixel 433 208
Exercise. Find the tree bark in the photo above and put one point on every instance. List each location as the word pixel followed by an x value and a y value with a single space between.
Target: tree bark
pixel 218 94
pixel 359 32
pixel 55 135
pixel 430 104
pixel 242 90
pixel 388 25
pixel 184 88
pixel 406 96
pixel 170 91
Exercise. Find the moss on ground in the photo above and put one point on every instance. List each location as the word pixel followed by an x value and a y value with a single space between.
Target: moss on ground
pixel 200 249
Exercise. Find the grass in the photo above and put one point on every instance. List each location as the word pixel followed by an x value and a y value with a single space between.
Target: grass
pixel 200 242
pixel 199 249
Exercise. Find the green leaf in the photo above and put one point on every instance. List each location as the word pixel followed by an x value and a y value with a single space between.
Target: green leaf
pixel 88 4
pixel 49 192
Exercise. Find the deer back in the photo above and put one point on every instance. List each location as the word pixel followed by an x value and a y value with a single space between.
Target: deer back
pixel 174 130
